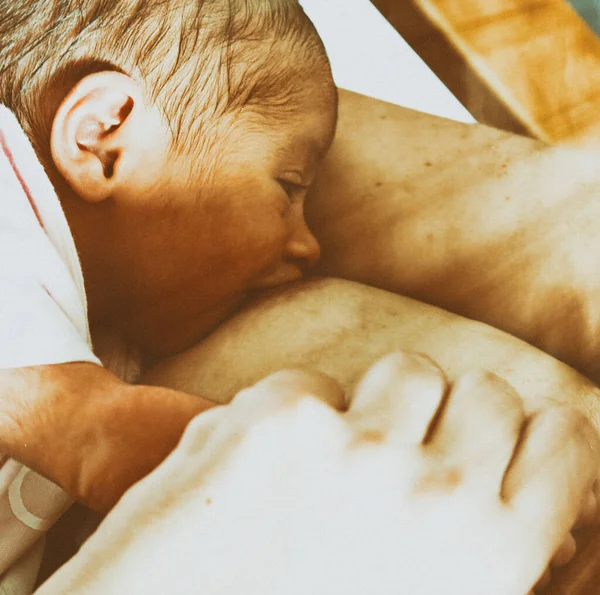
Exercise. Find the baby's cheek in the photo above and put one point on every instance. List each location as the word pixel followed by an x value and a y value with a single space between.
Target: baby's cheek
pixel 266 242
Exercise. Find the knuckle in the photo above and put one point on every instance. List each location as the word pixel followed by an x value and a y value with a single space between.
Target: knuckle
pixel 485 378
pixel 283 382
pixel 566 419
pixel 571 424
pixel 307 417
pixel 202 424
pixel 294 379
pixel 399 364
pixel 418 360
pixel 291 385
pixel 489 382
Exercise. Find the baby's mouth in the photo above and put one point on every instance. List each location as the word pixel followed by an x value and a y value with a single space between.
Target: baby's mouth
pixel 281 277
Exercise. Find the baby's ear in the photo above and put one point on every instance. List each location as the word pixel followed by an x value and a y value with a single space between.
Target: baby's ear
pixel 92 131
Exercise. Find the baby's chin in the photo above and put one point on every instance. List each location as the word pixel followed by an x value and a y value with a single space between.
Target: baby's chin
pixel 173 336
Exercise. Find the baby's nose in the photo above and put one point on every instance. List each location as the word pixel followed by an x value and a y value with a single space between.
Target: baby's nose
pixel 303 247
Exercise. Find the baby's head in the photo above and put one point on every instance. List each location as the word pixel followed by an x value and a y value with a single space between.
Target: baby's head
pixel 181 136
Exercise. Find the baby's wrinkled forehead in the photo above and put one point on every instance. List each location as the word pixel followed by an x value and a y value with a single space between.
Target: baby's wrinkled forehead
pixel 272 89
pixel 292 135
pixel 262 63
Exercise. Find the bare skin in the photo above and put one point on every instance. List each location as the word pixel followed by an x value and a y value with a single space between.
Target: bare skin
pixel 425 484
pixel 339 218
pixel 121 431
pixel 393 250
pixel 232 227
pixel 486 224
pixel 341 328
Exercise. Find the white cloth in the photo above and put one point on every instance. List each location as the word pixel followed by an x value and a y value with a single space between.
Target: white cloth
pixel 43 309
pixel 43 320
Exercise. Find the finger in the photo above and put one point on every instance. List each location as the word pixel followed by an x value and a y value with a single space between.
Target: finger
pixel 398 398
pixel 272 395
pixel 566 551
pixel 552 472
pixel 285 388
pixel 589 513
pixel 479 427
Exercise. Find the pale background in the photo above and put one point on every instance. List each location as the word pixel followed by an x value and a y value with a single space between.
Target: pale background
pixel 369 57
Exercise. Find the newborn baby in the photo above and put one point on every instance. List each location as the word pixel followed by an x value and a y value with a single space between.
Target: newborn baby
pixel 177 142
pixel 154 158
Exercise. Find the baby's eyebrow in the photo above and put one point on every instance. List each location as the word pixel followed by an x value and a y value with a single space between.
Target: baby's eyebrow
pixel 316 147
pixel 317 152
pixel 306 150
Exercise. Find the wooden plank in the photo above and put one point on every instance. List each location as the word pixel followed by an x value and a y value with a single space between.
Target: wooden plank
pixel 448 64
pixel 538 57
pixel 527 66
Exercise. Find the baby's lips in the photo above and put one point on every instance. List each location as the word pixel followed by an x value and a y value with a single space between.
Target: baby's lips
pixel 278 278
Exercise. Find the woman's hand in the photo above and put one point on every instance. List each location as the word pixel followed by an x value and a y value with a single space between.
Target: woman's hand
pixel 422 486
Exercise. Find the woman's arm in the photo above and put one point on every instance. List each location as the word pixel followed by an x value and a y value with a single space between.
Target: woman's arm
pixel 492 226
pixel 341 328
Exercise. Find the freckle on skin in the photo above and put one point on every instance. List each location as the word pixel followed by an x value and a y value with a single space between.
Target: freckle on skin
pixel 440 480
pixel 208 501
pixel 374 436
pixel 378 184
pixel 428 164
pixel 507 198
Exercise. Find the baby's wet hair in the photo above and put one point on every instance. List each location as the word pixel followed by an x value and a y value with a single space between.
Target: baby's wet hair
pixel 197 59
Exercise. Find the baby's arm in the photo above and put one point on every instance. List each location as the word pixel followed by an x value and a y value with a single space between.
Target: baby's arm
pixel 88 431
pixel 489 225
